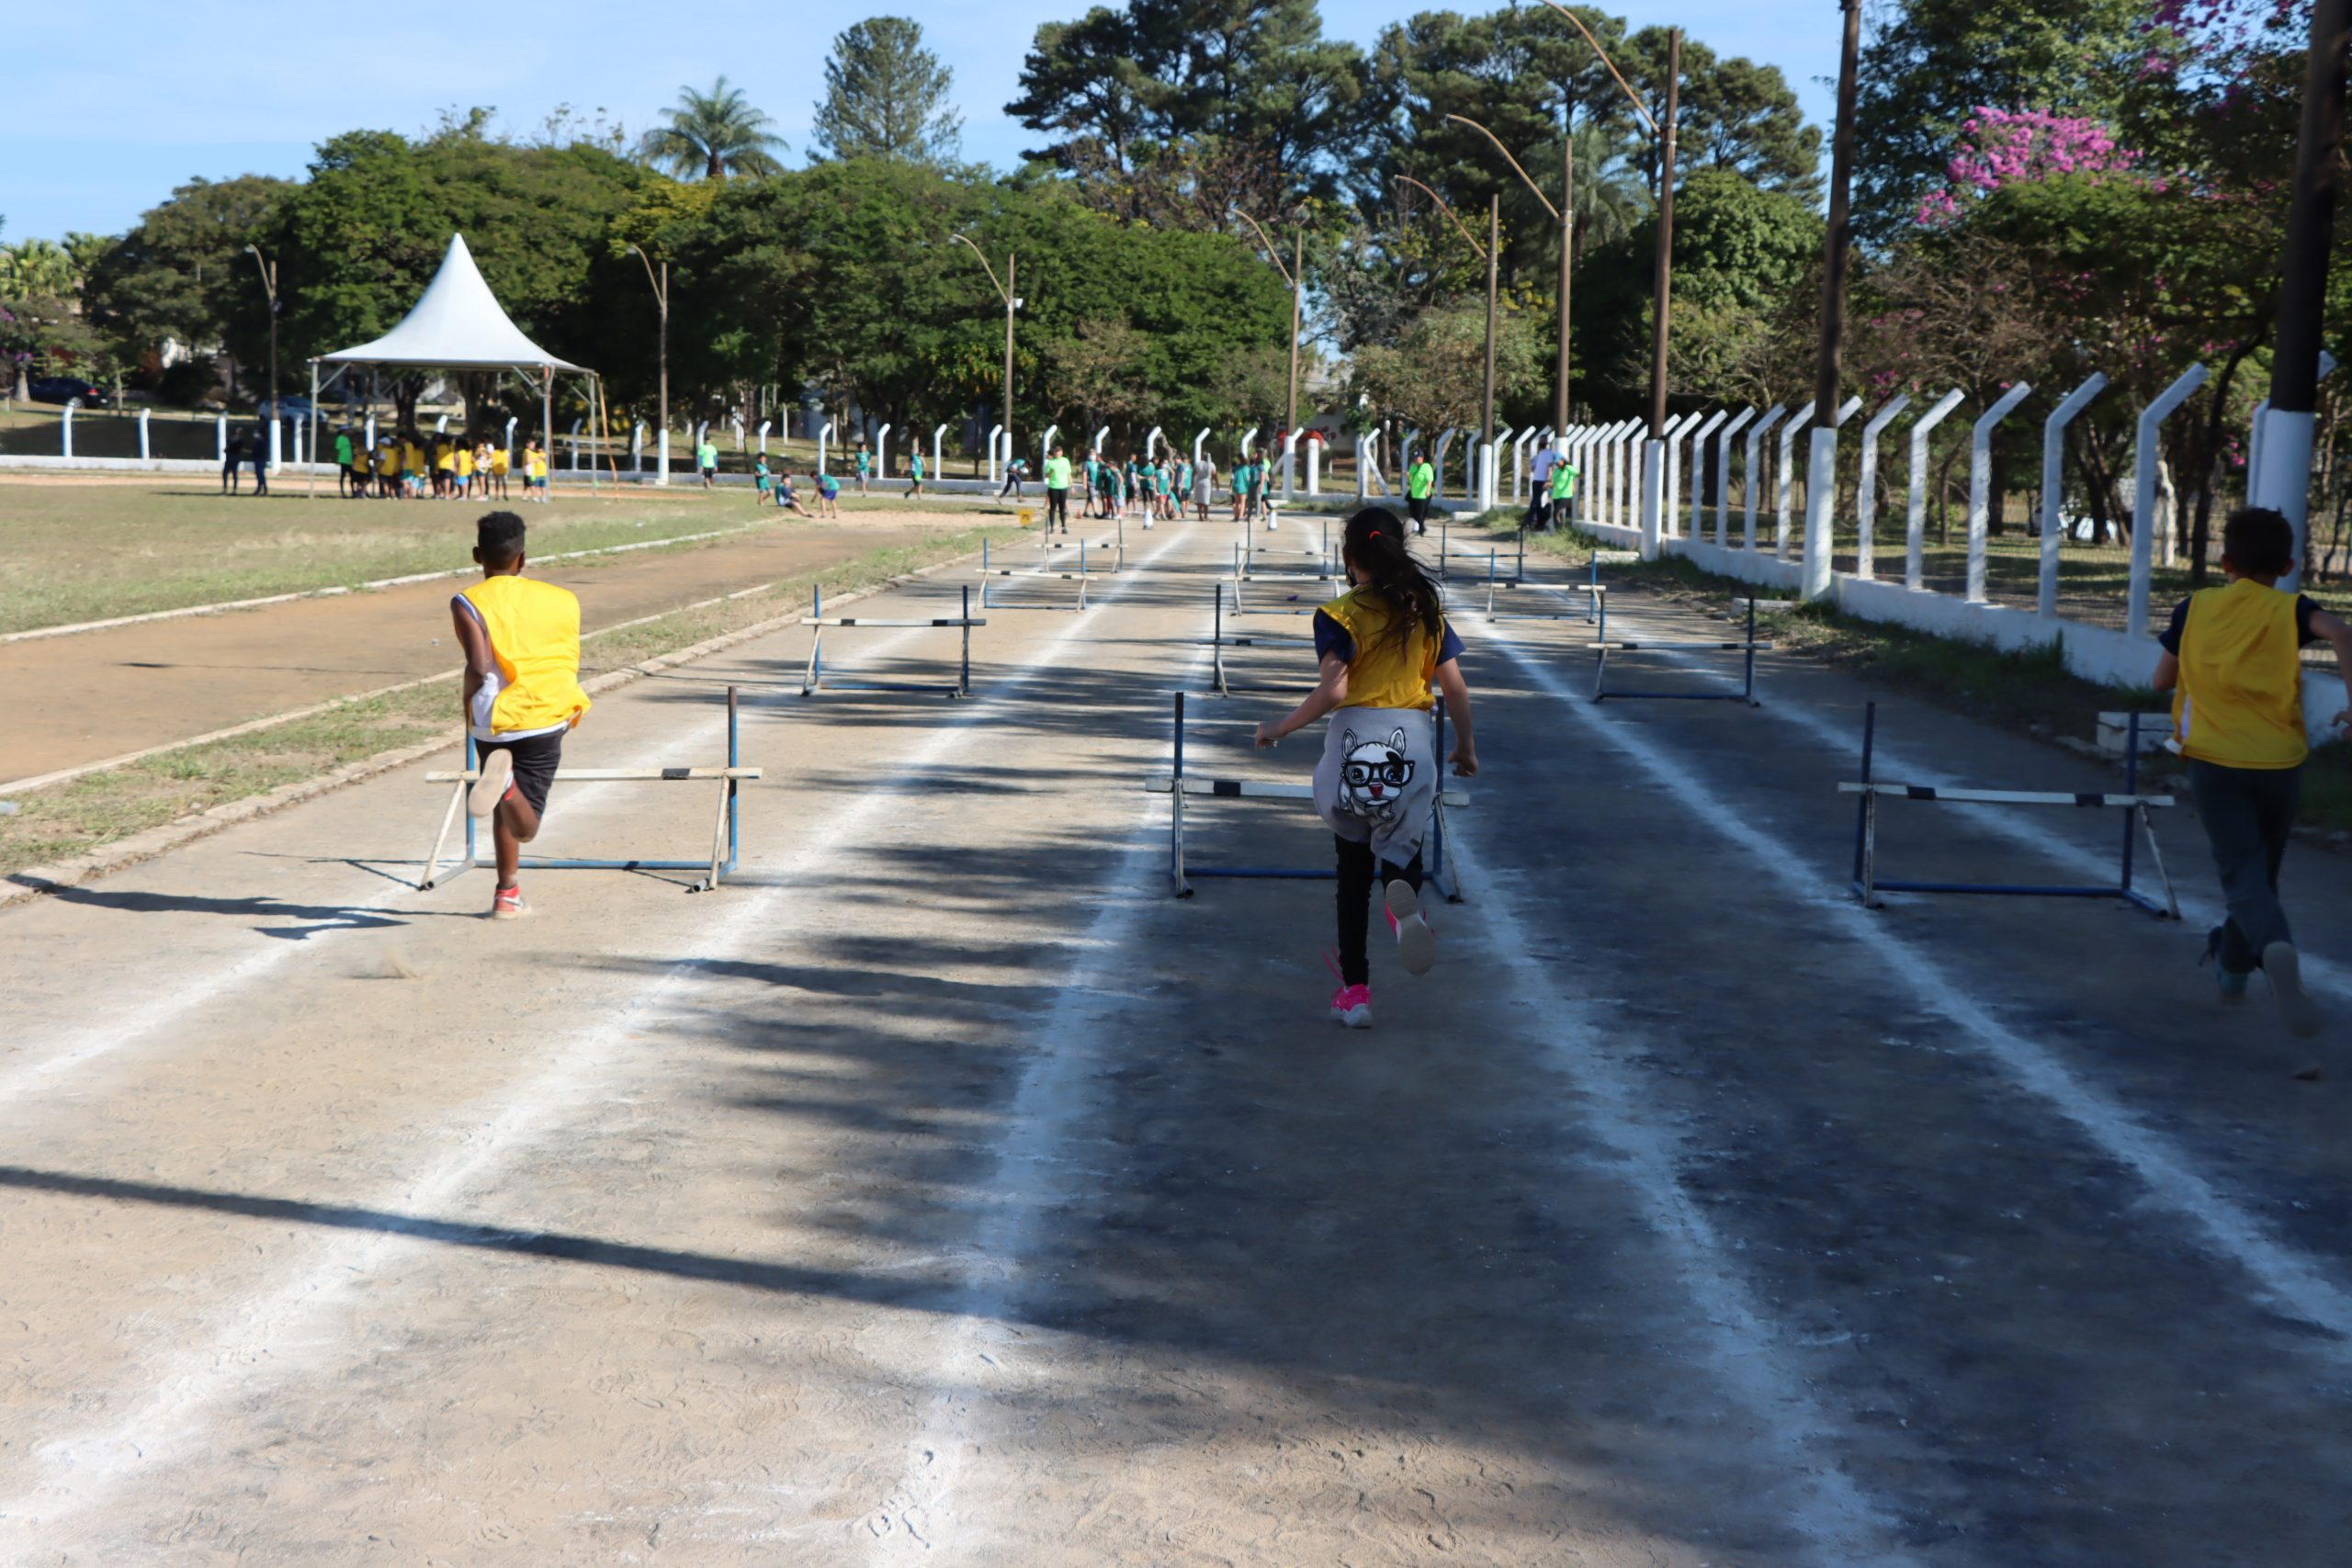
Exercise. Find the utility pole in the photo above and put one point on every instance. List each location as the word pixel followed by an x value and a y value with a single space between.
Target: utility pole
pixel 1664 277
pixel 1821 474
pixel 2284 481
pixel 269 288
pixel 661 340
pixel 1492 254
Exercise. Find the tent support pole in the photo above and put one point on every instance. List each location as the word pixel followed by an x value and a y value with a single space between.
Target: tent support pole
pixel 546 423
pixel 310 489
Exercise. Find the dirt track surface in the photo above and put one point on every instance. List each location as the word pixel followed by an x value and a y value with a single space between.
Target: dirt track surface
pixel 105 694
pixel 944 1191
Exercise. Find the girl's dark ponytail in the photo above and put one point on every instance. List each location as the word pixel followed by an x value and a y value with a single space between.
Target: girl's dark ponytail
pixel 1374 544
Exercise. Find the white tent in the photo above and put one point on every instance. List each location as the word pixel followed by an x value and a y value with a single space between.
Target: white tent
pixel 460 325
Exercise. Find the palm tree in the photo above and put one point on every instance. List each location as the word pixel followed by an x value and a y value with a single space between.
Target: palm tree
pixel 1610 197
pixel 716 134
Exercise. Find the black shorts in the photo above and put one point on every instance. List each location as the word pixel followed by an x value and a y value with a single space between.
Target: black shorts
pixel 1418 506
pixel 536 758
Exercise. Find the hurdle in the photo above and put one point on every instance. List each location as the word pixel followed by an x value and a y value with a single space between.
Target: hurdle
pixel 1246 551
pixel 1446 552
pixel 1178 785
pixel 1748 650
pixel 990 571
pixel 814 679
pixel 1218 642
pixel 726 829
pixel 2133 804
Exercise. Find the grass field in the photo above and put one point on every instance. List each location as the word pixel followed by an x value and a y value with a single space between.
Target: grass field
pixel 84 551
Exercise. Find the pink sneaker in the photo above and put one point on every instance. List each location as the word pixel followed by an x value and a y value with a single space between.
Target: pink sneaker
pixel 1351 1007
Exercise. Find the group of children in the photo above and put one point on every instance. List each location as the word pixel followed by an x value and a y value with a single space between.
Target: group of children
pixel 775 485
pixel 409 466
pixel 1160 488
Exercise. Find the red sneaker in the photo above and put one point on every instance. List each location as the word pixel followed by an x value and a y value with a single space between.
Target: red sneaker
pixel 508 904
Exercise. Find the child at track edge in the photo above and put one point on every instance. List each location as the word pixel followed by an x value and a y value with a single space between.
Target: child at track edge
pixel 521 693
pixel 1382 645
pixel 2233 660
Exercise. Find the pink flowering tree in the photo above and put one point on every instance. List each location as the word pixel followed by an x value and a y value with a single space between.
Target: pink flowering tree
pixel 2003 147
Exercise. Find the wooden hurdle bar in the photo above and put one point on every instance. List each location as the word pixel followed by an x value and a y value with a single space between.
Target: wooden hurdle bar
pixel 726 831
pixel 2134 805
pixel 814 680
pixel 1748 650
pixel 1178 785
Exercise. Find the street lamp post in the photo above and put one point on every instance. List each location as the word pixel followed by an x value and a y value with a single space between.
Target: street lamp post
pixel 662 303
pixel 1492 254
pixel 269 288
pixel 1295 276
pixel 1560 215
pixel 1011 303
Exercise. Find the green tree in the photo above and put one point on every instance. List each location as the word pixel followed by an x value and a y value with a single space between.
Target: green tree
pixel 886 97
pixel 712 135
pixel 1222 101
pixel 1434 375
pixel 1734 114
pixel 180 273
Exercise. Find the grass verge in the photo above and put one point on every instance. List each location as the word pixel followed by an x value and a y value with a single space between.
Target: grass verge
pixel 2030 691
pixel 98 809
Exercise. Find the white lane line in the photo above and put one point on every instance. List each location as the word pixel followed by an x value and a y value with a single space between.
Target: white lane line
pixel 1742 1347
pixel 2289 1278
pixel 920 1512
pixel 94 1041
pixel 247 1340
pixel 226 605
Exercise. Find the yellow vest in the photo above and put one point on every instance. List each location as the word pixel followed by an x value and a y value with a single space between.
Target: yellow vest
pixel 535 637
pixel 465 462
pixel 2239 701
pixel 1383 675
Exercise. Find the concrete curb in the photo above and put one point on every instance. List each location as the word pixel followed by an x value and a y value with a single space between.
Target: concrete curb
pixel 33 882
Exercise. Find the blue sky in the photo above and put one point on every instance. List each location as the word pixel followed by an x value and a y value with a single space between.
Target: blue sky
pixel 112 105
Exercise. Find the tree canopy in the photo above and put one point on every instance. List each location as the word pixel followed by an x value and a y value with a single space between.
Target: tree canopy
pixel 886 97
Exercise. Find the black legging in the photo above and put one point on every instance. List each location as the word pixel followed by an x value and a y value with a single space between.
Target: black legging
pixel 1356 864
pixel 1057 507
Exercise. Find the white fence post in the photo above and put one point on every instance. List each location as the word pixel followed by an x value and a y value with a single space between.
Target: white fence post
pixel 1723 472
pixel 995 430
pixel 1821 503
pixel 1674 431
pixel 2143 492
pixel 1748 476
pixel 2279 469
pixel 1290 465
pixel 1866 498
pixel 1314 468
pixel 1652 500
pixel 143 454
pixel 637 446
pixel 1444 442
pixel 441 425
pixel 882 449
pixel 1980 483
pixel 1046 446
pixel 1915 525
pixel 1151 444
pixel 1248 437
pixel 1518 464
pixel 65 426
pixel 764 436
pixel 939 433
pixel 825 439
pixel 371 431
pixel 511 420
pixel 1105 434
pixel 221 438
pixel 1198 442
pixel 2053 472
pixel 575 444
pixel 1782 484
pixel 1367 453
pixel 1699 471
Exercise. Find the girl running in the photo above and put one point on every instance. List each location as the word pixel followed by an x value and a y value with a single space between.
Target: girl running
pixel 1382 645
pixel 914 475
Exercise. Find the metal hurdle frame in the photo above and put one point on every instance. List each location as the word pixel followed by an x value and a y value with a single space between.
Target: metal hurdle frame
pixel 1603 647
pixel 1176 784
pixel 1595 591
pixel 990 571
pixel 1867 884
pixel 1218 642
pixel 814 680
pixel 1445 554
pixel 1245 552
pixel 726 831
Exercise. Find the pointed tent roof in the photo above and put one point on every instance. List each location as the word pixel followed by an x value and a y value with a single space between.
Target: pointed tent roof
pixel 457 325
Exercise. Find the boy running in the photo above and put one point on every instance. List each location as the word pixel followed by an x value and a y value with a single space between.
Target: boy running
pixel 915 474
pixel 2231 660
pixel 1382 645
pixel 522 693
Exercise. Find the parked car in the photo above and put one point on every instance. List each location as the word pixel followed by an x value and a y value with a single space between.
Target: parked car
pixel 65 388
pixel 291 406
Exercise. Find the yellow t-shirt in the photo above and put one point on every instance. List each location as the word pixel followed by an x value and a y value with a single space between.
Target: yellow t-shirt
pixel 465 463
pixel 1380 674
pixel 534 463
pixel 446 461
pixel 498 459
pixel 413 459
pixel 2239 701
pixel 534 630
